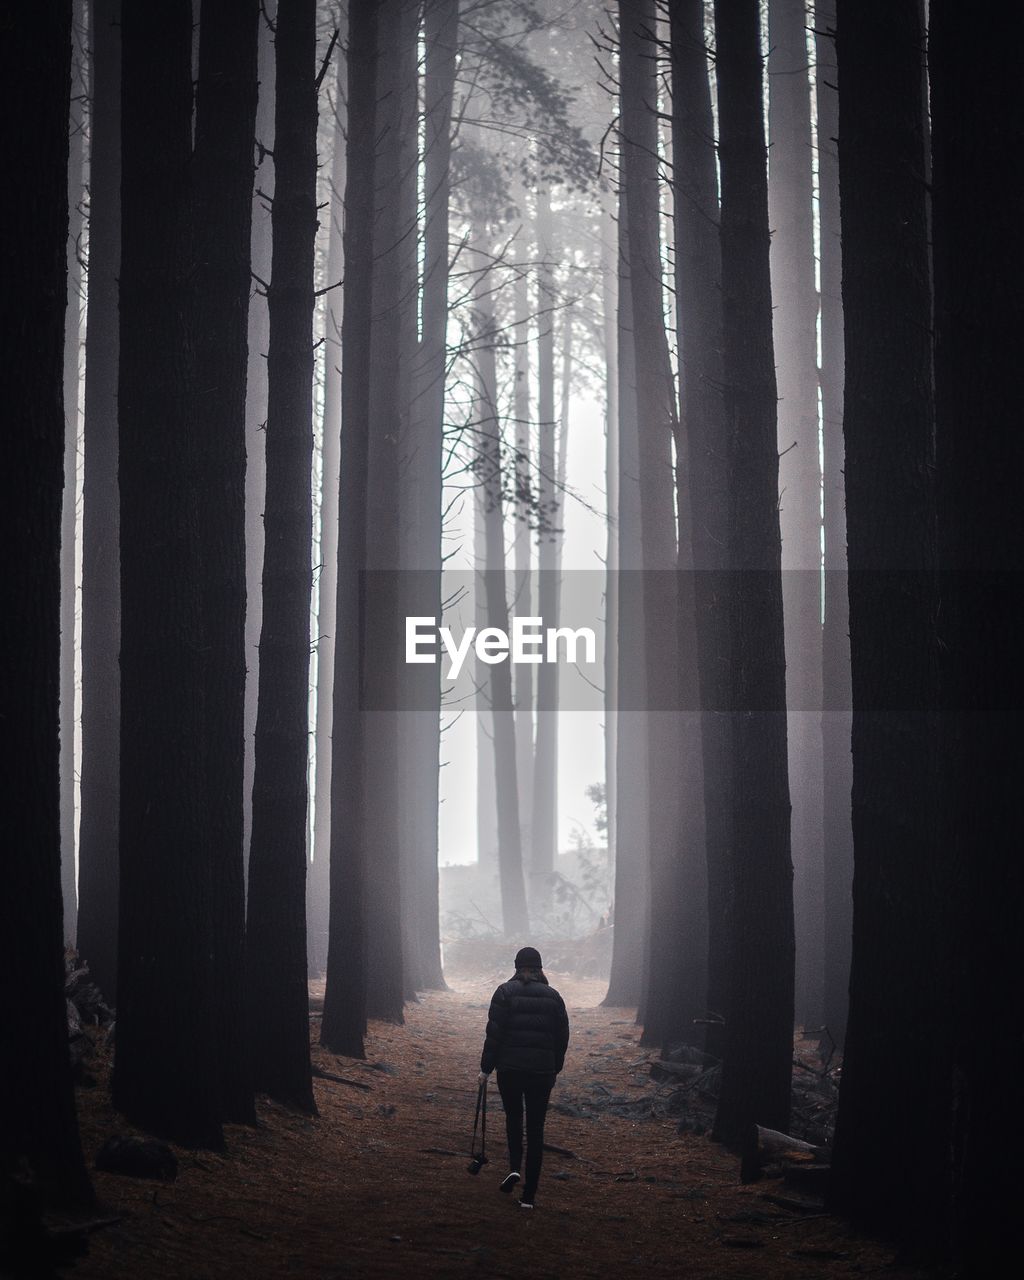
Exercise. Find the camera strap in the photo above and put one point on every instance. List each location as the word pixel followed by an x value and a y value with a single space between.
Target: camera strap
pixel 480 1119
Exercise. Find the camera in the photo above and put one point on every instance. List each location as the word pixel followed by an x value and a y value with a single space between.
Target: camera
pixel 476 1164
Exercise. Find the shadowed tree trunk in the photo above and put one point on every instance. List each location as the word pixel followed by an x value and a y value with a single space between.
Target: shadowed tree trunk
pixel 795 300
pixel 699 319
pixel 35 72
pixel 276 969
pixel 759 1009
pixel 977 210
pixel 890 1092
pixel 222 175
pixel 837 775
pixel 165 1070
pixel 101 585
pixel 392 352
pixel 344 1020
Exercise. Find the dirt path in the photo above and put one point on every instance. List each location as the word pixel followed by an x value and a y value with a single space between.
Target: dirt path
pixel 366 1189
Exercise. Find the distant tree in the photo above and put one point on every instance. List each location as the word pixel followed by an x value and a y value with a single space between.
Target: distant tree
pixel 976 121
pixel 899 981
pixel 101 585
pixel 276 963
pixel 756 1068
pixel 795 316
pixel 344 1021
pixel 166 1075
pixel 489 468
pixel 835 726
pixel 221 183
pixel 35 75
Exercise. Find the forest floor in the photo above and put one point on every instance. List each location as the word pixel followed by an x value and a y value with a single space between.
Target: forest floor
pixel 376 1185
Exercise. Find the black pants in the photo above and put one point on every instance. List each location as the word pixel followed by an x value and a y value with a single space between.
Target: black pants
pixel 532 1089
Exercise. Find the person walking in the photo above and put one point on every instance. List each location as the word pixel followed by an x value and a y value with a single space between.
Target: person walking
pixel 526 1039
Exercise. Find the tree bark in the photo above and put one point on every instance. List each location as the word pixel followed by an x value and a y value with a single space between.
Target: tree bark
pixel 510 855
pixel 837 766
pixel 98 886
pixel 759 1028
pixel 222 185
pixel 440 35
pixel 979 266
pixel 344 1020
pixel 629 908
pixel 35 73
pixel 276 964
pixel 890 1093
pixel 543 817
pixel 795 317
pixel 165 1071
pixel 392 352
pixel 318 887
pixel 702 412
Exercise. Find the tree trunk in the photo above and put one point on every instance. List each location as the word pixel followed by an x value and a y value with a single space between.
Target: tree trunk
pixel 392 354
pixel 609 304
pixel 890 1092
pixel 98 887
pixel 676 944
pixel 165 1071
pixel 256 406
pixel 68 519
pixel 35 73
pixel 544 818
pixel 510 854
pixel 837 767
pixel 629 907
pixel 699 321
pixel 222 176
pixel 440 35
pixel 344 1020
pixel 979 268
pixel 795 316
pixel 759 1029
pixel 522 554
pixel 318 887
pixel 276 969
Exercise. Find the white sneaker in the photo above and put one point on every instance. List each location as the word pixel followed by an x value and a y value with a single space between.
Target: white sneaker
pixel 509 1181
pixel 525 1204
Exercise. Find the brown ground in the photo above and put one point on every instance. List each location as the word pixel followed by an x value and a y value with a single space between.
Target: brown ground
pixel 356 1192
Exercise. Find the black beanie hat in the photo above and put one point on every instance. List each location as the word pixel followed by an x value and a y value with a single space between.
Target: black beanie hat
pixel 528 958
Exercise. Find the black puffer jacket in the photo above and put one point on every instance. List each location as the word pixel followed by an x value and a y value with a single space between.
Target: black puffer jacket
pixel 527 1027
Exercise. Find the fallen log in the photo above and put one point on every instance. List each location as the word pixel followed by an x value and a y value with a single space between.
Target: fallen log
pixel 320 1074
